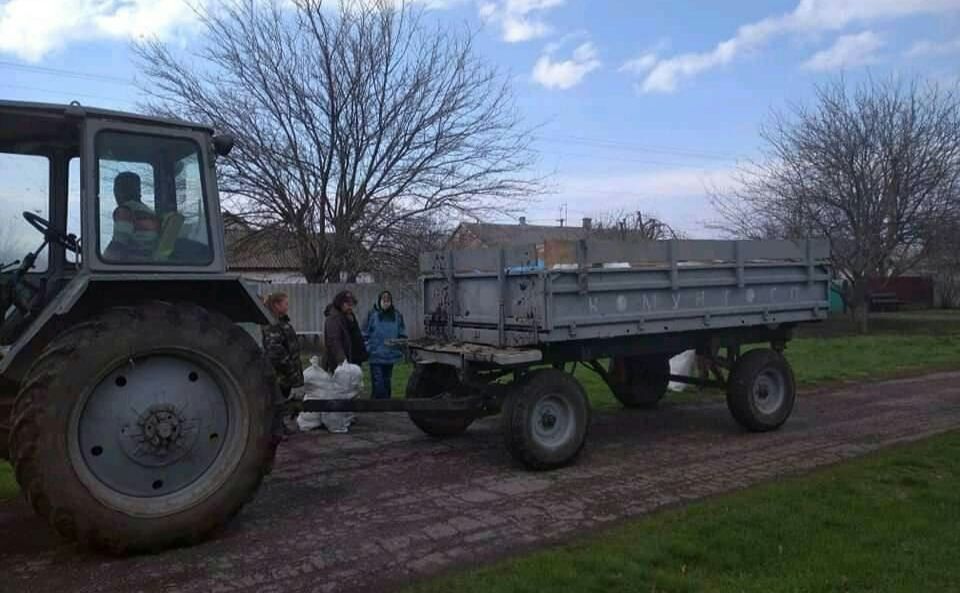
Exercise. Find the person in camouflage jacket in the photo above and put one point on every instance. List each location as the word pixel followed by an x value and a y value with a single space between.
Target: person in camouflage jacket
pixel 282 346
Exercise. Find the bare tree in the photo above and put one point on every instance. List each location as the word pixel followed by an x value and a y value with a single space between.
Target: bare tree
pixel 624 224
pixel 874 168
pixel 351 120
pixel 397 256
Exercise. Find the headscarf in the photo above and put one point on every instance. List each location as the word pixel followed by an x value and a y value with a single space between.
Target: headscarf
pixel 388 313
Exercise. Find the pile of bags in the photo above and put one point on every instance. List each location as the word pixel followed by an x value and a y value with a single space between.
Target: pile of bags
pixel 345 383
pixel 683 364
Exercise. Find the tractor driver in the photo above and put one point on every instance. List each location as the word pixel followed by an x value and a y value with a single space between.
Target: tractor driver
pixel 136 227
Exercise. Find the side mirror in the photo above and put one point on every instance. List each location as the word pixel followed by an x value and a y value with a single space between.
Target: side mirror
pixel 223 144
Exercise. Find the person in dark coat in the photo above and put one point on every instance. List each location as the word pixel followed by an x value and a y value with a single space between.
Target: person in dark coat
pixel 282 346
pixel 342 340
pixel 384 323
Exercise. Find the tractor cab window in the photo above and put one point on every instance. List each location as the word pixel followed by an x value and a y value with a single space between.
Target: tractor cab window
pixel 151 200
pixel 24 187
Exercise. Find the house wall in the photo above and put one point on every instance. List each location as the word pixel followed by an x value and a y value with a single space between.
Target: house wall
pixel 912 290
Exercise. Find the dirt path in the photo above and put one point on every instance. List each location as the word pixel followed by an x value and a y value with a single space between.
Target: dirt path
pixel 385 505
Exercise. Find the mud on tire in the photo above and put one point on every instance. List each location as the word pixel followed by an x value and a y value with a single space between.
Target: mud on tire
pixel 59 398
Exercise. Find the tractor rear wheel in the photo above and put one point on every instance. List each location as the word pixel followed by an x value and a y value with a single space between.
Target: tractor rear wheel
pixel 144 428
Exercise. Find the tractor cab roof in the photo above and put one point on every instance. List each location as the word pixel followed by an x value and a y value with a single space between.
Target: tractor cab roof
pixel 26 124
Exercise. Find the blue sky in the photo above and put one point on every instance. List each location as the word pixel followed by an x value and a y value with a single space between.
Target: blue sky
pixel 641 105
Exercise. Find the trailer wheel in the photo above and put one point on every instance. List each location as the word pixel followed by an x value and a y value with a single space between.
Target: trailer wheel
pixel 761 390
pixel 545 419
pixel 639 381
pixel 429 381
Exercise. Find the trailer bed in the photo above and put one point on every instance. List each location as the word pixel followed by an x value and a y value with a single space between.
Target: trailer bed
pixel 559 291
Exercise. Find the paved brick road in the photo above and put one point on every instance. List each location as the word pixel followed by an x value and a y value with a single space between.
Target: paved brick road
pixel 385 505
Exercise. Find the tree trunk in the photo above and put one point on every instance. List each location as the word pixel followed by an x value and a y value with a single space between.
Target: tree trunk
pixel 860 305
pixel 863 318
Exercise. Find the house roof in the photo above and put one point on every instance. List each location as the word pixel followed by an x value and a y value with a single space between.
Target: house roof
pixel 491 234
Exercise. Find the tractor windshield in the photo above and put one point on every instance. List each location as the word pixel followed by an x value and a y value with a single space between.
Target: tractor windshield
pixel 150 200
pixel 24 187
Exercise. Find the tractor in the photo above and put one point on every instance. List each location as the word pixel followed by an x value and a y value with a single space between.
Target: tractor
pixel 137 411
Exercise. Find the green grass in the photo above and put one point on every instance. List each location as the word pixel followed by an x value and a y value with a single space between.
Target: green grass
pixel 887 523
pixel 8 484
pixel 817 361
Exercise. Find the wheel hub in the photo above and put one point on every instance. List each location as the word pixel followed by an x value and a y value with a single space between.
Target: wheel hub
pixel 161 429
pixel 552 421
pixel 769 392
pixel 548 420
pixel 153 426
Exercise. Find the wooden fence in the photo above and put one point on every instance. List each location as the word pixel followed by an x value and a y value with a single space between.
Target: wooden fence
pixel 308 301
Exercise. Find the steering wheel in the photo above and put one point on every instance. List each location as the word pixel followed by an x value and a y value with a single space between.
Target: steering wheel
pixel 51 234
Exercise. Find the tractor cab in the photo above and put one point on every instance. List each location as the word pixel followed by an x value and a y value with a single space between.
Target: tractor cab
pixel 93 190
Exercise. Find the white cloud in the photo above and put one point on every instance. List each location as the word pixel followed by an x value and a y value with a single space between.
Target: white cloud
pixel 520 20
pixel 809 16
pixel 640 64
pixel 847 51
pixel 30 29
pixel 565 74
pixel 932 48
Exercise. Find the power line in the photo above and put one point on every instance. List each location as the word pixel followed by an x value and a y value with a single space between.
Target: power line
pixel 62 93
pixel 627 160
pixel 67 73
pixel 626 146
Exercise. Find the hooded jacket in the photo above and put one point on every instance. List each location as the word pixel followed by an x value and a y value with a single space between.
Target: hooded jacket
pixel 382 326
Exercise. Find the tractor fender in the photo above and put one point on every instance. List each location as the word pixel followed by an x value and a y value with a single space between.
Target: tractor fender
pixel 86 294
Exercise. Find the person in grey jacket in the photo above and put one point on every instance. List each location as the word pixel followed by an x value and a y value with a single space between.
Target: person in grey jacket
pixel 384 323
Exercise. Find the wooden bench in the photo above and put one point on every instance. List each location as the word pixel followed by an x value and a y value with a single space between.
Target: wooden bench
pixel 884 301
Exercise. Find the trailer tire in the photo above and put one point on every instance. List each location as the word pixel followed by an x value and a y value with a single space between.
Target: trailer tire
pixel 427 381
pixel 91 469
pixel 546 419
pixel 639 381
pixel 761 390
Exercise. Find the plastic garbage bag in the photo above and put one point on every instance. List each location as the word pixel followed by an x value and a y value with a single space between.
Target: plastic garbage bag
pixel 348 382
pixel 345 383
pixel 684 364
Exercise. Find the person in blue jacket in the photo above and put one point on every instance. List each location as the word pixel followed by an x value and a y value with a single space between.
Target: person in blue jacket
pixel 384 323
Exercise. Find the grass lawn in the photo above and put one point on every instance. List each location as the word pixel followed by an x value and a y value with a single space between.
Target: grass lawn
pixel 886 523
pixel 8 484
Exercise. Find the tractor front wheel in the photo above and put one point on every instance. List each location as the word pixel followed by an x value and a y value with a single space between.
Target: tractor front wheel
pixel 144 428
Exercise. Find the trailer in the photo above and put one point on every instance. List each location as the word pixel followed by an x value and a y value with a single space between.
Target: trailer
pixel 505 328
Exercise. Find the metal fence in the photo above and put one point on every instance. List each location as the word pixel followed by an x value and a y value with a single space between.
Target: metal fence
pixel 308 301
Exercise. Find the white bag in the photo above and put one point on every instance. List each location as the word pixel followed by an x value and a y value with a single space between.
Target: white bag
pixel 683 364
pixel 345 383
